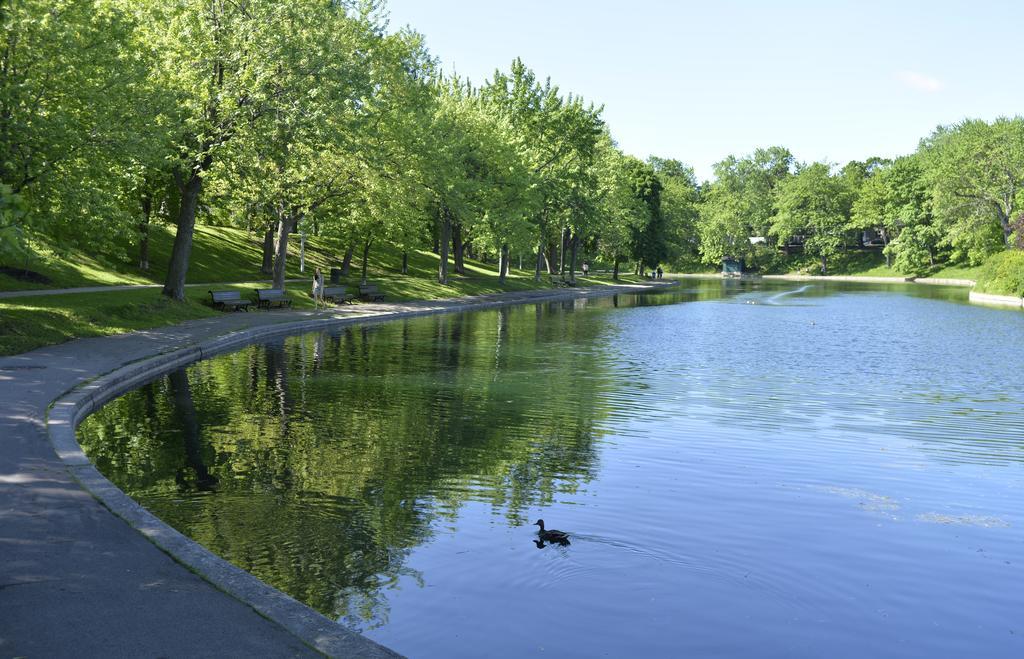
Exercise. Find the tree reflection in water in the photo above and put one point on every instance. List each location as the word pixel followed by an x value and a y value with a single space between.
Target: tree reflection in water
pixel 319 462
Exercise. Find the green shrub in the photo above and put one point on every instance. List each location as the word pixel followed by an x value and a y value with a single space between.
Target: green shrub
pixel 1003 274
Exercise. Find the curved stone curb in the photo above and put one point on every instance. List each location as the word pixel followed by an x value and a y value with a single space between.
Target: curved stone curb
pixel 70 409
pixel 996 300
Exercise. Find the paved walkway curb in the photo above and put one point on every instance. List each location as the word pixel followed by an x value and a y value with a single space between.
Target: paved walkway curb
pixel 75 404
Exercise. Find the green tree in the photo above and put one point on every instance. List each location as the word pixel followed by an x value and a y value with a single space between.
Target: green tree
pixel 976 171
pixel 71 108
pixel 556 136
pixel 647 241
pixel 221 62
pixel 619 210
pixel 740 204
pixel 304 154
pixel 894 199
pixel 813 204
pixel 679 206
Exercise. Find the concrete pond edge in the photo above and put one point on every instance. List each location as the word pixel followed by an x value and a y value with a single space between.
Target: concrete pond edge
pixel 857 279
pixel 71 408
pixel 996 300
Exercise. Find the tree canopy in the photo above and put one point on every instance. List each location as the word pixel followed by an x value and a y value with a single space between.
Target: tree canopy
pixel 297 117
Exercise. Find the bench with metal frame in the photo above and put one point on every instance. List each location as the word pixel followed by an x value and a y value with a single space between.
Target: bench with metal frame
pixel 337 294
pixel 229 300
pixel 370 292
pixel 265 297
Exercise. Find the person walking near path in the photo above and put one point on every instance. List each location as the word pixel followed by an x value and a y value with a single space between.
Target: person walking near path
pixel 660 272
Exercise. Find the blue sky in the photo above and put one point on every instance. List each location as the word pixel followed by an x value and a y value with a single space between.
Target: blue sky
pixel 831 81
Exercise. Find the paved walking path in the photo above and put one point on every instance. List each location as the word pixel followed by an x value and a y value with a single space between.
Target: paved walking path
pixel 120 287
pixel 75 580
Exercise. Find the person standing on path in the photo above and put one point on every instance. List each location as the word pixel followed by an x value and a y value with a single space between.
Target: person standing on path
pixel 318 287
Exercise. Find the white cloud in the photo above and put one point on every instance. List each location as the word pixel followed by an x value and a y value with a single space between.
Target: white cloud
pixel 920 81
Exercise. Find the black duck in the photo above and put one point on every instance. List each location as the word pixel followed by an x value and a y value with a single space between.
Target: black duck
pixel 551 535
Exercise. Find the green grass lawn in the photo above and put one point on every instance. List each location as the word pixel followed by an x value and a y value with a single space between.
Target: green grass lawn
pixel 957 272
pixel 219 255
pixel 861 263
pixel 31 322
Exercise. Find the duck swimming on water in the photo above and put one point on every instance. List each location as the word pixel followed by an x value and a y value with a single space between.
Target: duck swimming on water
pixel 552 536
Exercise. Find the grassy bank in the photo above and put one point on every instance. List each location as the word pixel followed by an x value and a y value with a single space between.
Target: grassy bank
pixel 219 254
pixel 31 322
pixel 869 263
pixel 1002 274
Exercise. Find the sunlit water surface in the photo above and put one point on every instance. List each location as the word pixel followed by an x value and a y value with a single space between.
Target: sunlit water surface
pixel 745 470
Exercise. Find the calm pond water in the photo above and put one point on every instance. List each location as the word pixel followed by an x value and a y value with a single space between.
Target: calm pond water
pixel 771 470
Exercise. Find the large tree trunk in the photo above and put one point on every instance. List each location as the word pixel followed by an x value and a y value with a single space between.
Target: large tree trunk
pixel 549 257
pixel 885 244
pixel 267 267
pixel 443 242
pixel 366 259
pixel 574 245
pixel 540 262
pixel 284 228
pixel 346 263
pixel 615 268
pixel 147 210
pixel 177 269
pixel 824 264
pixel 561 253
pixel 1007 226
pixel 503 263
pixel 457 246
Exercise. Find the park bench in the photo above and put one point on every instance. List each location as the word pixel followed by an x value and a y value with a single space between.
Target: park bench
pixel 268 296
pixel 370 292
pixel 229 300
pixel 337 294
